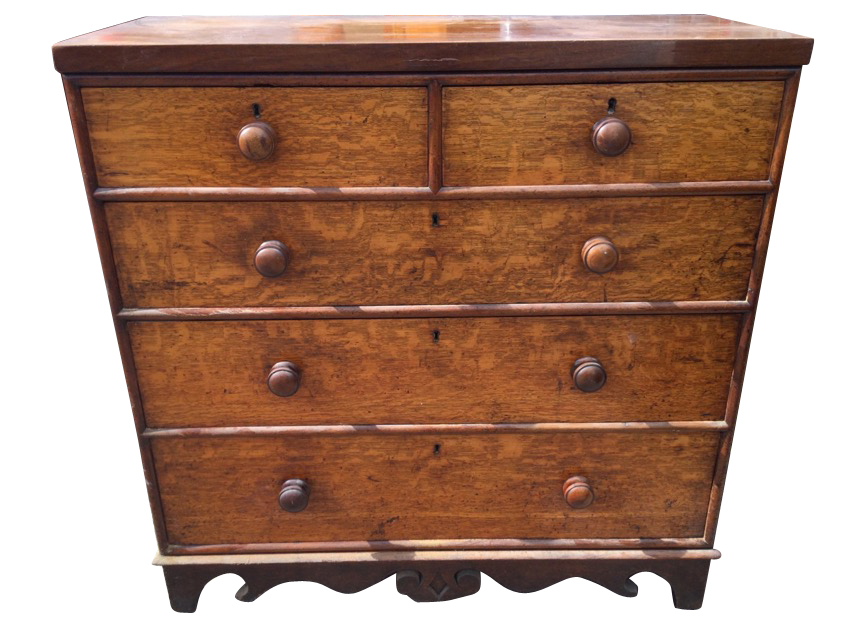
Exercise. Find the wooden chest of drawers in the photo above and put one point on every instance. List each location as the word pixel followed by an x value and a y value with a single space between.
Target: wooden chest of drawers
pixel 433 296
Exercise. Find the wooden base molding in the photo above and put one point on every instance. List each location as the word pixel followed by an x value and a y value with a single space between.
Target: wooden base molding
pixel 440 576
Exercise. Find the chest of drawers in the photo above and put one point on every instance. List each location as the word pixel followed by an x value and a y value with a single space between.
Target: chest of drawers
pixel 433 296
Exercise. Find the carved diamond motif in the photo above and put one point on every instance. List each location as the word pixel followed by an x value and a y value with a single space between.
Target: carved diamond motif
pixel 438 586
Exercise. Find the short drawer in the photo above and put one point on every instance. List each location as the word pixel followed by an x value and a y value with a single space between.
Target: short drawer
pixel 441 370
pixel 323 136
pixel 215 254
pixel 368 487
pixel 680 131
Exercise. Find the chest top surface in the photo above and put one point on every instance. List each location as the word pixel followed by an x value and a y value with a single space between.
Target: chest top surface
pixel 342 44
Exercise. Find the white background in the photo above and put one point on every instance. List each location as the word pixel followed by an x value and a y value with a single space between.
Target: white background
pixel 76 533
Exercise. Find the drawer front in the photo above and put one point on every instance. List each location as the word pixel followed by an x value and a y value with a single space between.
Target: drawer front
pixel 187 137
pixel 465 252
pixel 681 131
pixel 434 487
pixel 441 370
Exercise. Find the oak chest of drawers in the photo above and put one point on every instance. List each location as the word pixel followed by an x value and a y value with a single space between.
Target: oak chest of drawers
pixel 433 296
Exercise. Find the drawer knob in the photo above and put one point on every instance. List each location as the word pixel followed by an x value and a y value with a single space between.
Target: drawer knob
pixel 578 492
pixel 294 495
pixel 283 379
pixel 256 140
pixel 271 258
pixel 611 136
pixel 599 254
pixel 588 374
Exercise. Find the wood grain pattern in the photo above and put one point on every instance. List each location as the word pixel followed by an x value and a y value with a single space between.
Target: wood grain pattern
pixel 380 487
pixel 406 43
pixel 465 252
pixel 326 136
pixel 491 370
pixel 684 131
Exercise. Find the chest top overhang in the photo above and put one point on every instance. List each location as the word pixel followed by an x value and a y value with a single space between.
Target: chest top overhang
pixel 394 44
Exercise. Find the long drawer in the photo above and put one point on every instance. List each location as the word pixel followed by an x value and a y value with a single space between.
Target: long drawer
pixel 368 487
pixel 442 370
pixel 323 136
pixel 681 131
pixel 462 252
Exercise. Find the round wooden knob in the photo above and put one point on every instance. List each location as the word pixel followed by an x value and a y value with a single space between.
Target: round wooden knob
pixel 294 495
pixel 256 141
pixel 271 258
pixel 577 492
pixel 611 136
pixel 283 379
pixel 588 374
pixel 599 254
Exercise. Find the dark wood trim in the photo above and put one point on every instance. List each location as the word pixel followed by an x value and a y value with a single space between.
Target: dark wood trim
pixel 460 57
pixel 412 429
pixel 102 237
pixel 423 79
pixel 521 43
pixel 619 76
pixel 253 80
pixel 748 322
pixel 243 194
pixel 435 141
pixel 430 576
pixel 663 544
pixel 435 311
